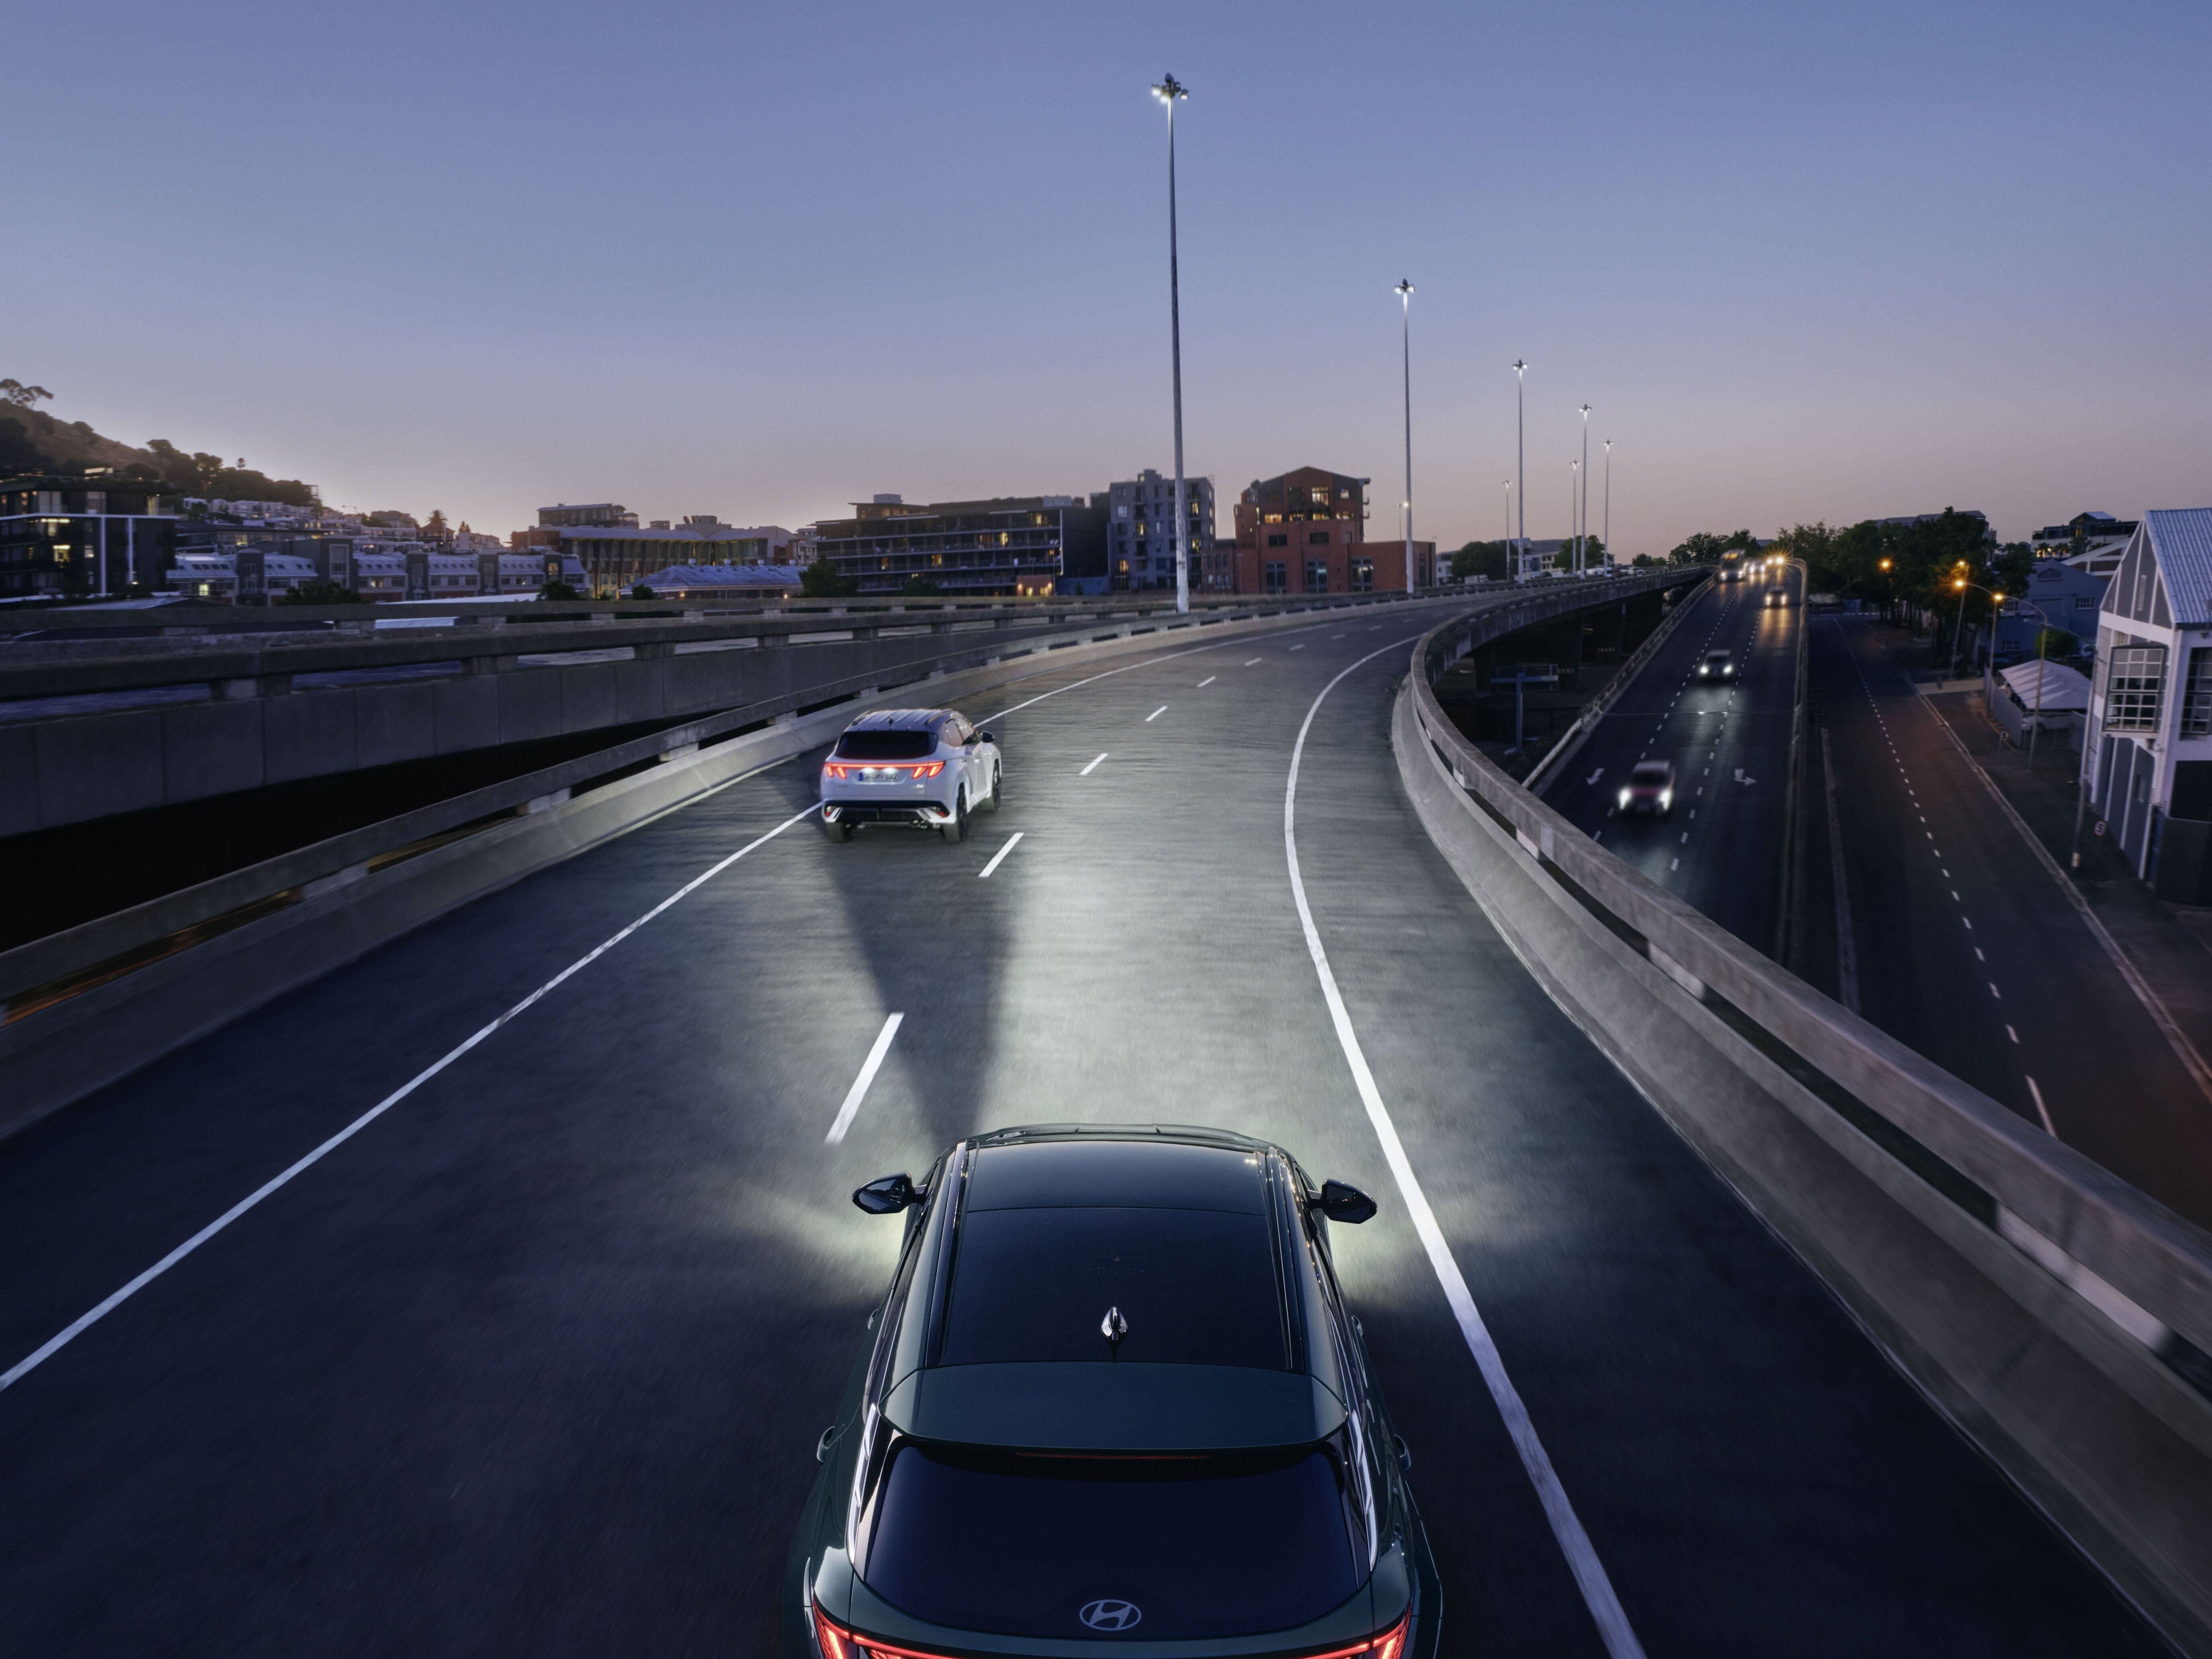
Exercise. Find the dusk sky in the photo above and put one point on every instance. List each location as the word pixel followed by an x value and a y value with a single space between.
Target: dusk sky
pixel 1806 262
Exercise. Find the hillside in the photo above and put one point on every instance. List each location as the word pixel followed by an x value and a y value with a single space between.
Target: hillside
pixel 32 440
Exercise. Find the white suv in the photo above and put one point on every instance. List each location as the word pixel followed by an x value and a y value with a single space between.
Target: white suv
pixel 922 768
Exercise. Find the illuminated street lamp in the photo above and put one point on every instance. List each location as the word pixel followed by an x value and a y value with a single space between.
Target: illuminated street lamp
pixel 1574 513
pixel 1607 540
pixel 1521 456
pixel 1404 292
pixel 1171 92
pixel 1582 522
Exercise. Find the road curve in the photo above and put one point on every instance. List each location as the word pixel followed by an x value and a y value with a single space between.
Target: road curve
pixel 536 1360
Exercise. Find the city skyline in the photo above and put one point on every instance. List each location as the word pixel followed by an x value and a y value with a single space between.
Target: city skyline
pixel 1835 268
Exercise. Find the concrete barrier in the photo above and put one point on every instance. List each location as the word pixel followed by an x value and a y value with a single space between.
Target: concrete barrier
pixel 2059 1317
pixel 89 1006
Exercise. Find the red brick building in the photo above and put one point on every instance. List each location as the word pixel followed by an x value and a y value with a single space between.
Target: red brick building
pixel 1305 533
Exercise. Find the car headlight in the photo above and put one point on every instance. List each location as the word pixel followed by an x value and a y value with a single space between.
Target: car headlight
pixel 1624 797
pixel 1703 670
pixel 1666 798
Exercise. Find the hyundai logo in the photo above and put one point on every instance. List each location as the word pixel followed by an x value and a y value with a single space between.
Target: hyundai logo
pixel 1107 1613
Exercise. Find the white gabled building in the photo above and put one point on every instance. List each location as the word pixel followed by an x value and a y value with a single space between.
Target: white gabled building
pixel 2148 757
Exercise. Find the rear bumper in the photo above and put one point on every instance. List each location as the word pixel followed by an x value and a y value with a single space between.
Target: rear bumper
pixel 912 815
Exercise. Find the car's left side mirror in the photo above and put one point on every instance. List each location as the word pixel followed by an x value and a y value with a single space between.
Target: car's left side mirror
pixel 987 738
pixel 888 1194
pixel 1340 1201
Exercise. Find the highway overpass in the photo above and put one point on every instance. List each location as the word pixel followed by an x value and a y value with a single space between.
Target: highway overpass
pixel 484 1284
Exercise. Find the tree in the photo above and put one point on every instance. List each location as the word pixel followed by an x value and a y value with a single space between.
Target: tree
pixel 23 396
pixel 1492 559
pixel 917 586
pixel 319 591
pixel 557 589
pixel 640 591
pixel 822 581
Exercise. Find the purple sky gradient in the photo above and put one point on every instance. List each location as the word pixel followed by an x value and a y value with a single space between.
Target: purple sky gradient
pixel 1806 262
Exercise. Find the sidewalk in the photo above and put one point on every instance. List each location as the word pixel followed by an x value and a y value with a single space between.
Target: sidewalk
pixel 2169 945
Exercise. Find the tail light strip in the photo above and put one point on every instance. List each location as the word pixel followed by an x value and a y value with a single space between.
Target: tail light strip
pixel 836 1642
pixel 844 770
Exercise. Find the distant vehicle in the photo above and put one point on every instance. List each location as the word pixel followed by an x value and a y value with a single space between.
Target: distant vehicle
pixel 918 768
pixel 1778 598
pixel 1650 789
pixel 1717 665
pixel 1732 566
pixel 1114 1392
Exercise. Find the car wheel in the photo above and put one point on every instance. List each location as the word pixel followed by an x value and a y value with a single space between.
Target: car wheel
pixel 998 777
pixel 957 831
pixel 839 832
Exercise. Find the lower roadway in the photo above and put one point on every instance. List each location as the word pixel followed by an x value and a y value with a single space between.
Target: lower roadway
pixel 1969 952
pixel 535 1362
pixel 1719 848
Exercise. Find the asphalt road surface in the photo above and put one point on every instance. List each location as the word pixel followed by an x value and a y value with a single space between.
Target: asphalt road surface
pixel 1720 848
pixel 1971 953
pixel 534 1362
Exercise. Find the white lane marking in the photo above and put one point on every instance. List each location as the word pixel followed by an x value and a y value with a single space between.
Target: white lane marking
pixel 1674 863
pixel 1093 767
pixel 868 1070
pixel 1994 991
pixel 1594 777
pixel 1155 714
pixel 1091 679
pixel 1249 661
pixel 84 1321
pixel 2042 1110
pixel 1978 957
pixel 2014 1035
pixel 1207 681
pixel 1297 647
pixel 999 857
pixel 1590 1573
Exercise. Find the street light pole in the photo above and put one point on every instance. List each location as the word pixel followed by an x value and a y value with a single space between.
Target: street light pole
pixel 1606 549
pixel 1574 514
pixel 1171 92
pixel 1521 458
pixel 1582 532
pixel 1404 291
pixel 1509 529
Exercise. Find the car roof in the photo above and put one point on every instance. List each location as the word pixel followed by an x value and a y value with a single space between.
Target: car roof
pixel 900 720
pixel 1093 1172
pixel 1650 766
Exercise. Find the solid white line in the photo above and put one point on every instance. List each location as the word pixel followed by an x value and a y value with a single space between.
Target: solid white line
pixel 999 857
pixel 2041 1110
pixel 1155 714
pixel 1207 681
pixel 1089 770
pixel 85 1322
pixel 1581 1558
pixel 868 1069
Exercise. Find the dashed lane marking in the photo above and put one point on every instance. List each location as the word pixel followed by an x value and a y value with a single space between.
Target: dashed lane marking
pixel 869 1067
pixel 1000 857
pixel 1155 714
pixel 1093 767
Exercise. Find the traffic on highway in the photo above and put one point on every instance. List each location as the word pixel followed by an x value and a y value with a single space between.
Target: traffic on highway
pixel 743 1239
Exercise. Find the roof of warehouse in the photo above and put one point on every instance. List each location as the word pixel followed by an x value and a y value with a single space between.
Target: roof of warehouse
pixel 2181 539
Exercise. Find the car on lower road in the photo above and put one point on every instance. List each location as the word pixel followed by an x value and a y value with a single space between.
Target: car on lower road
pixel 1650 789
pixel 1114 1396
pixel 1717 665
pixel 914 768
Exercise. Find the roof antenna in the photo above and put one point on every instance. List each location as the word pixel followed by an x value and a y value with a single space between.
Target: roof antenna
pixel 1114 1327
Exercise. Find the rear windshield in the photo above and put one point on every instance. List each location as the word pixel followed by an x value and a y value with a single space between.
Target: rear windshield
pixel 1199 1547
pixel 886 745
pixel 1192 1287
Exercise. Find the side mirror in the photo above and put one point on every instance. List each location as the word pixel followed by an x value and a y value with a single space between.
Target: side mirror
pixel 1339 1201
pixel 890 1194
pixel 987 738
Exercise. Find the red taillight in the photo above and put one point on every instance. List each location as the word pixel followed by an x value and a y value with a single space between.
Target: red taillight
pixel 845 769
pixel 1387 1644
pixel 838 1643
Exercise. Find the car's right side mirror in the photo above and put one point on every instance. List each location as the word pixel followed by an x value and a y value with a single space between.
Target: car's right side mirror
pixel 888 1194
pixel 987 738
pixel 1340 1200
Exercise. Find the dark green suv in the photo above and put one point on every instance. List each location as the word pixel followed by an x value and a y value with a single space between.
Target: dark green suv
pixel 1115 1403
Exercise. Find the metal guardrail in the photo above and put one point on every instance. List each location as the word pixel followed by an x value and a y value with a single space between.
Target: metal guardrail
pixel 2143 1266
